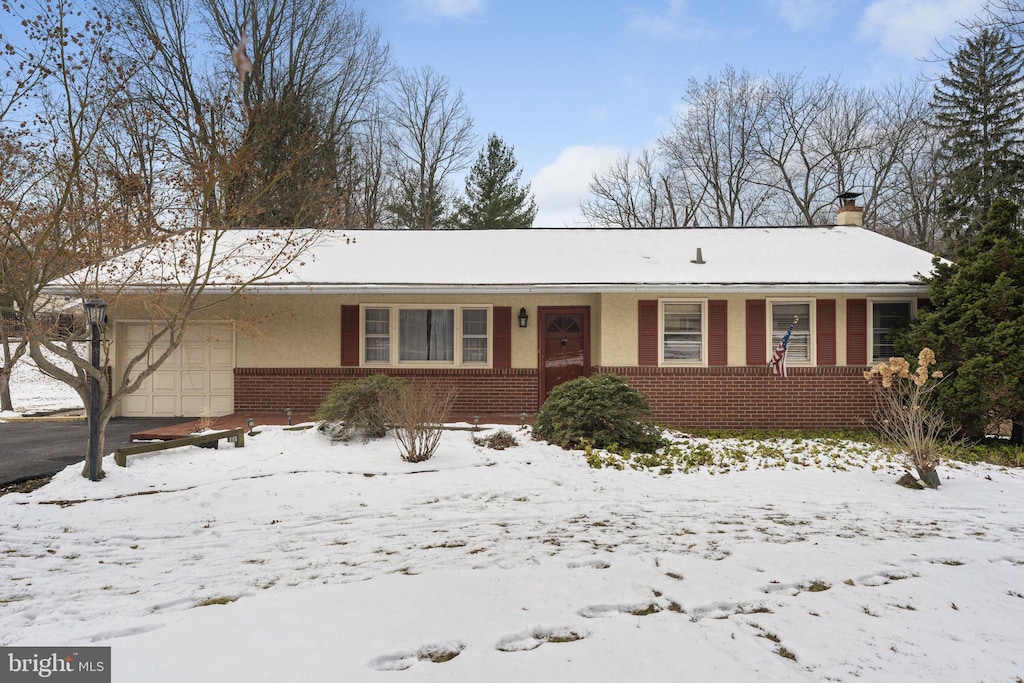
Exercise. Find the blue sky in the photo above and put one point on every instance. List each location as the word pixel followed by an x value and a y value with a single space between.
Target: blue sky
pixel 572 84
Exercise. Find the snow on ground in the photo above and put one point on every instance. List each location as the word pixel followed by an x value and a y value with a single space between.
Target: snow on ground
pixel 33 391
pixel 296 560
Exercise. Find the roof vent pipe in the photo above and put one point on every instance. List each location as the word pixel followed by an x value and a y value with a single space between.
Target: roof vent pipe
pixel 700 258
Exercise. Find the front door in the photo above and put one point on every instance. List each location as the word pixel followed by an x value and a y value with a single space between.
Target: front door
pixel 564 346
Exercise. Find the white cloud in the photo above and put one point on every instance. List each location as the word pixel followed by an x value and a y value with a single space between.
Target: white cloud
pixel 559 186
pixel 454 9
pixel 909 28
pixel 801 14
pixel 672 23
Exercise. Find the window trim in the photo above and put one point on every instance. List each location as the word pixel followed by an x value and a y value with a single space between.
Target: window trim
pixel 393 343
pixel 871 322
pixel 662 361
pixel 812 331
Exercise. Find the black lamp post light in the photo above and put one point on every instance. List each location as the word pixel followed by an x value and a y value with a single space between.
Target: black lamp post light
pixel 95 316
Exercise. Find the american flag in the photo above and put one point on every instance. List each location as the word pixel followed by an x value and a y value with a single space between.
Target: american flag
pixel 778 361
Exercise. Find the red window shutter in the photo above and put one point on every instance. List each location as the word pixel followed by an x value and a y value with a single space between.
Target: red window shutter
pixel 856 332
pixel 826 331
pixel 718 332
pixel 647 323
pixel 756 332
pixel 350 335
pixel 502 327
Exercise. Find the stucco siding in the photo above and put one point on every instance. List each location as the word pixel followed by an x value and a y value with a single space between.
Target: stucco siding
pixel 304 330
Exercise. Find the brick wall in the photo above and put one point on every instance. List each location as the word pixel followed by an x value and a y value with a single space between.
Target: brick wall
pixel 694 398
pixel 752 398
pixel 498 390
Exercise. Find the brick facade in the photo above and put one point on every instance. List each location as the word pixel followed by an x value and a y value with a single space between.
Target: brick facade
pixel 505 391
pixel 694 398
pixel 753 398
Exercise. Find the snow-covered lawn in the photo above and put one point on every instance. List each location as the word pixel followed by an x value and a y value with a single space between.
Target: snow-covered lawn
pixel 296 560
pixel 32 391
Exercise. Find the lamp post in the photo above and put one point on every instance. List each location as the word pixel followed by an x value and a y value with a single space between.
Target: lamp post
pixel 95 315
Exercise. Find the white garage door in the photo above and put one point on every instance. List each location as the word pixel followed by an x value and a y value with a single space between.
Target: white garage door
pixel 197 380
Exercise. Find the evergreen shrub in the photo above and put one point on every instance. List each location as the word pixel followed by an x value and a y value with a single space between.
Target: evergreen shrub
pixel 602 411
pixel 352 408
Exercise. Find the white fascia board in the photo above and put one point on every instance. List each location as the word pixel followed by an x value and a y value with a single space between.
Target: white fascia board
pixel 874 288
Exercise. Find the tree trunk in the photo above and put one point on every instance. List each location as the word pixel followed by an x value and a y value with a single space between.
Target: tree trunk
pixel 5 371
pixel 10 358
pixel 1017 434
pixel 5 389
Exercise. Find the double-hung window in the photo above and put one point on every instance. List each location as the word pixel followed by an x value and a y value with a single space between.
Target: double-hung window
pixel 683 332
pixel 783 314
pixel 886 318
pixel 426 335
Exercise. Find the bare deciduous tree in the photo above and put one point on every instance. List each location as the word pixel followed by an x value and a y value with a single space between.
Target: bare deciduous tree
pixel 905 168
pixel 318 66
pixel 813 138
pixel 714 143
pixel 779 151
pixel 371 186
pixel 432 138
pixel 65 218
pixel 639 193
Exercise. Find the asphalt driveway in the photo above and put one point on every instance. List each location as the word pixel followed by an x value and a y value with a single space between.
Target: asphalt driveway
pixel 29 450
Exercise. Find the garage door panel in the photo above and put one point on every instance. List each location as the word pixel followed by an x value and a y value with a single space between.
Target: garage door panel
pixel 172 362
pixel 195 334
pixel 165 381
pixel 138 333
pixel 195 382
pixel 222 355
pixel 196 405
pixel 222 405
pixel 147 384
pixel 136 405
pixel 197 379
pixel 165 406
pixel 222 382
pixel 134 350
pixel 194 355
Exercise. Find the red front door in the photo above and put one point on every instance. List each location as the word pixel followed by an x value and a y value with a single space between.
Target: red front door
pixel 564 346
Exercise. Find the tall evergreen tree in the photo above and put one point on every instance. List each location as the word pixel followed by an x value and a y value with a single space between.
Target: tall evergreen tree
pixel 494 196
pixel 976 326
pixel 978 111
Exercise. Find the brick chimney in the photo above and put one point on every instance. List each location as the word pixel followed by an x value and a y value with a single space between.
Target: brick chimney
pixel 849 213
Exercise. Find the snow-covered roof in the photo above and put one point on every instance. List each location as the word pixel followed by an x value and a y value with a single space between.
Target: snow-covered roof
pixel 609 260
pixel 569 259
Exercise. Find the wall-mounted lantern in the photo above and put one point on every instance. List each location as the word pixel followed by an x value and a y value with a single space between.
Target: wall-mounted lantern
pixel 523 318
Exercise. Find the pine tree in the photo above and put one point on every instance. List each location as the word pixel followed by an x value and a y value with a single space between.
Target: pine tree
pixel 978 112
pixel 494 198
pixel 975 325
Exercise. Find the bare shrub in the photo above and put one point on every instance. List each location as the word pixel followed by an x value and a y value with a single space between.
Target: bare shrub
pixel 204 423
pixel 906 415
pixel 499 440
pixel 417 413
